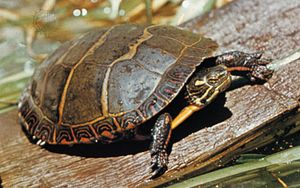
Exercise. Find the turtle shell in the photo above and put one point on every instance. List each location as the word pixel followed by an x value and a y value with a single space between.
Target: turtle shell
pixel 109 81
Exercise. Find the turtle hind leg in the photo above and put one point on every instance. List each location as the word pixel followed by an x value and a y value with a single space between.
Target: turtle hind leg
pixel 250 65
pixel 161 134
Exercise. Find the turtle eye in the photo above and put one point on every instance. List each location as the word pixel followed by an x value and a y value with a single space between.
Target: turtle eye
pixel 215 77
pixel 203 101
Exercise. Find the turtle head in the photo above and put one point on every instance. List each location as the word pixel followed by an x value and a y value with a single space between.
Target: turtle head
pixel 206 84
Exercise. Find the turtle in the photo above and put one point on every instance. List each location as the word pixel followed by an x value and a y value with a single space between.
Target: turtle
pixel 103 86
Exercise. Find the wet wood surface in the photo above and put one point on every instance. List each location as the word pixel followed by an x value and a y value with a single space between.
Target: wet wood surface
pixel 247 117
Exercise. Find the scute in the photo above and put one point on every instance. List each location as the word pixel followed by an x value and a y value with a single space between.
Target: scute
pixel 52 95
pixel 184 36
pixel 45 72
pixel 83 45
pixel 165 44
pixel 129 85
pixel 83 102
pixel 117 43
pixel 153 59
pixel 84 99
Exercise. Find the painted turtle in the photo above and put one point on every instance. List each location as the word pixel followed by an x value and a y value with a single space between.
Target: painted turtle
pixel 102 86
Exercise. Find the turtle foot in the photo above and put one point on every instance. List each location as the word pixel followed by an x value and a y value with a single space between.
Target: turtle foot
pixel 250 65
pixel 258 67
pixel 159 164
pixel 259 70
pixel 260 73
pixel 161 133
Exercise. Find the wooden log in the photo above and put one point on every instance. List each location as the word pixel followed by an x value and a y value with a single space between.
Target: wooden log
pixel 252 115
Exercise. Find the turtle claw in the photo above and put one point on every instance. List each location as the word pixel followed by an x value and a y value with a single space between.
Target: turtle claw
pixel 256 55
pixel 257 65
pixel 259 70
pixel 159 164
pixel 260 73
pixel 40 142
pixel 263 61
pixel 157 173
pixel 251 65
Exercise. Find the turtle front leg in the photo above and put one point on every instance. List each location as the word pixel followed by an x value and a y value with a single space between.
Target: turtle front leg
pixel 161 133
pixel 250 65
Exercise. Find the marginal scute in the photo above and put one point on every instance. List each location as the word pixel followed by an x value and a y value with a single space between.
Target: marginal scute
pixel 44 131
pixel 189 61
pixel 84 133
pixel 179 73
pixel 25 107
pixel 168 90
pixel 106 130
pixel 64 135
pixel 152 106
pixel 129 119
pixel 32 120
